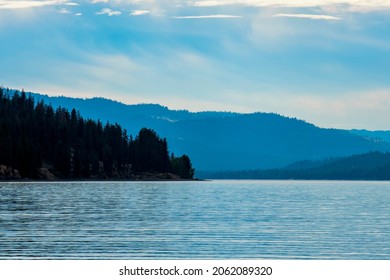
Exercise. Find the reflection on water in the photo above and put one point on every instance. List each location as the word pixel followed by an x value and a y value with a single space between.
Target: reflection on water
pixel 195 220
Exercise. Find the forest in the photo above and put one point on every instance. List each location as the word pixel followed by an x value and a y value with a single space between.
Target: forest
pixel 38 141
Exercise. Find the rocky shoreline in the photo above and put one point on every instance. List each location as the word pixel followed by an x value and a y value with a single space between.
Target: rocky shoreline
pixel 8 173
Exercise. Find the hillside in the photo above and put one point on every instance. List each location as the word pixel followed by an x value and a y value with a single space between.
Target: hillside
pixel 261 140
pixel 226 140
pixel 376 135
pixel 369 166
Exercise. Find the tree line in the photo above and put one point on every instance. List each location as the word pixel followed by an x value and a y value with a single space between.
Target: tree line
pixel 36 136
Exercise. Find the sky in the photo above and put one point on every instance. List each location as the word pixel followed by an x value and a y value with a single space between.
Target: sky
pixel 326 62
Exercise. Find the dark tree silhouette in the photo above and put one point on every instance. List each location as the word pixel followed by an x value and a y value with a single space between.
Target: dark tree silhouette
pixel 34 137
pixel 182 166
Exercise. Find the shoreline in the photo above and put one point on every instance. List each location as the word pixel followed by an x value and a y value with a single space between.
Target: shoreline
pixel 142 177
pixel 183 180
pixel 101 180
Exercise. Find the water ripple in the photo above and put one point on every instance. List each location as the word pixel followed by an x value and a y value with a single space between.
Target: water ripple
pixel 195 220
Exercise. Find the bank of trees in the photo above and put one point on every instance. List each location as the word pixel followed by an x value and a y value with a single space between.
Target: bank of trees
pixel 36 135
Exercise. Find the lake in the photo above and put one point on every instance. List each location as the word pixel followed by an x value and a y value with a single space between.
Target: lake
pixel 195 220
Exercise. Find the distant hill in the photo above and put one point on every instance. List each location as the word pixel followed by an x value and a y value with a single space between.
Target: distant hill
pixel 226 140
pixel 376 135
pixel 262 141
pixel 369 166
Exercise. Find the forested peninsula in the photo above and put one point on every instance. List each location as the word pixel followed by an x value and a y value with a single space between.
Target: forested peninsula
pixel 40 142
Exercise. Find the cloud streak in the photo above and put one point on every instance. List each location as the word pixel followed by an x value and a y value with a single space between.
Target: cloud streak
pixel 308 16
pixel 139 12
pixel 18 4
pixel 152 5
pixel 316 60
pixel 207 17
pixel 334 5
pixel 63 11
pixel 288 3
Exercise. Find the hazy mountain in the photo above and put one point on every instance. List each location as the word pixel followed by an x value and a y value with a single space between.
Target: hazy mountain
pixel 368 166
pixel 262 141
pixel 225 140
pixel 376 135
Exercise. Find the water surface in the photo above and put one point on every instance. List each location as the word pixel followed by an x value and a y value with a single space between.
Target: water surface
pixel 195 220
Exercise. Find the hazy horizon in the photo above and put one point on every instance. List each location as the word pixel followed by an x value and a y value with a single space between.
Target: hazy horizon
pixel 324 62
pixel 190 111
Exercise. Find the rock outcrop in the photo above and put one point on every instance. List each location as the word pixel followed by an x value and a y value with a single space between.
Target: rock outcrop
pixel 9 173
pixel 45 174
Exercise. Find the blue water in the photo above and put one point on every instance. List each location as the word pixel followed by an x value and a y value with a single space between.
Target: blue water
pixel 195 220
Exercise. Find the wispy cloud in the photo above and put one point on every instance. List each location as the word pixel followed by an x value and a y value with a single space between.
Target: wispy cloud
pixel 287 3
pixel 23 4
pixel 109 12
pixel 350 110
pixel 71 4
pixel 338 5
pixel 63 11
pixel 247 55
pixel 139 12
pixel 345 5
pixel 308 16
pixel 214 3
pixel 207 17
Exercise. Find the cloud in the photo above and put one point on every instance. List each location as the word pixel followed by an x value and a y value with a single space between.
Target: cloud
pixel 139 12
pixel 287 3
pixel 335 5
pixel 63 11
pixel 109 12
pixel 206 17
pixel 152 5
pixel 23 4
pixel 349 110
pixel 214 3
pixel 308 16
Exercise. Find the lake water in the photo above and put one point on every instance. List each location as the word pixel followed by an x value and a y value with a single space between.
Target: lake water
pixel 195 220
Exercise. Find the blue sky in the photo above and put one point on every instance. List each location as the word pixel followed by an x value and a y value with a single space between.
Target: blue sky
pixel 327 62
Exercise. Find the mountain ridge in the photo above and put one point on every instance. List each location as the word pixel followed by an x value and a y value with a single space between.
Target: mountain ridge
pixel 227 140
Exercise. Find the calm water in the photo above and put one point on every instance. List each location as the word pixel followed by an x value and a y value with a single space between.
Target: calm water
pixel 195 220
